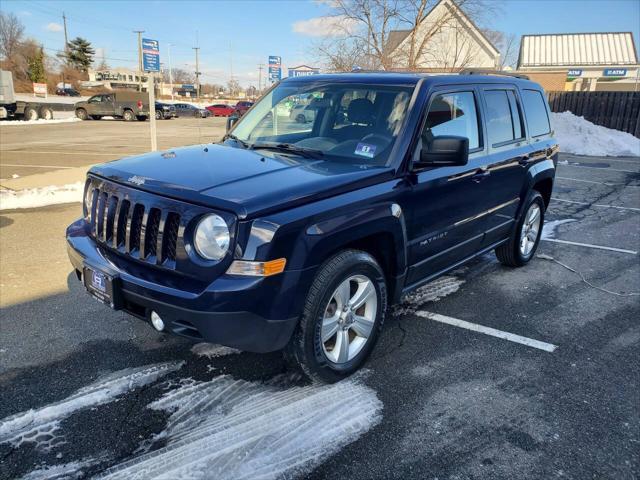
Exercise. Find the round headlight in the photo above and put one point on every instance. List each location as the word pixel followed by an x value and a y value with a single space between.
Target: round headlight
pixel 211 237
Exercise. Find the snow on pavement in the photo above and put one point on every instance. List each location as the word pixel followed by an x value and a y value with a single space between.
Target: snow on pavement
pixel 41 425
pixel 549 228
pixel 41 197
pixel 58 117
pixel 235 429
pixel 581 137
pixel 212 350
pixel 65 471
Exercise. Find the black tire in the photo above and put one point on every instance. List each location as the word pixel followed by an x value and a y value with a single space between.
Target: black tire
pixel 96 117
pixel 128 116
pixel 141 118
pixel 82 114
pixel 30 113
pixel 46 113
pixel 305 350
pixel 509 253
pixel 159 115
pixel 300 118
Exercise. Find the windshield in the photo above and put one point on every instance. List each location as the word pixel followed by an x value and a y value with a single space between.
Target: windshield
pixel 343 122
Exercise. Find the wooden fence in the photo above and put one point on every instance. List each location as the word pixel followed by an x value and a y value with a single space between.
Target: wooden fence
pixel 619 110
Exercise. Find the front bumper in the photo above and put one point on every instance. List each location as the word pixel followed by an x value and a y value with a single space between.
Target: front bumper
pixel 248 313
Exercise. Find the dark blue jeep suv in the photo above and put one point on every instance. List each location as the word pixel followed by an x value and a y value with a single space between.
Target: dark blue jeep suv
pixel 297 236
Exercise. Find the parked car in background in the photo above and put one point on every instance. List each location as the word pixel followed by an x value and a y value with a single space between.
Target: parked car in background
pixel 220 110
pixel 125 104
pixel 67 92
pixel 165 111
pixel 190 110
pixel 299 240
pixel 301 113
pixel 242 107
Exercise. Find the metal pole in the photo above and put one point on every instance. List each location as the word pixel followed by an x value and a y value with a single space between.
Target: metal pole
pixel 66 40
pixel 151 87
pixel 139 32
pixel 170 71
pixel 197 74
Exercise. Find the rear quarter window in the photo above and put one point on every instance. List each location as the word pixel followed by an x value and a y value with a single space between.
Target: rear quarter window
pixel 536 112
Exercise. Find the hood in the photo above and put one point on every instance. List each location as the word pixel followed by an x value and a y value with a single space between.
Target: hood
pixel 246 182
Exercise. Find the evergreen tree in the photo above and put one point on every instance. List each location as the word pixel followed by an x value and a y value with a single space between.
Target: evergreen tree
pixel 80 54
pixel 37 73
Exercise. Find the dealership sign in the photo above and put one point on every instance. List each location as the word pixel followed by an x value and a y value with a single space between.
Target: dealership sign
pixel 275 68
pixel 150 55
pixel 614 72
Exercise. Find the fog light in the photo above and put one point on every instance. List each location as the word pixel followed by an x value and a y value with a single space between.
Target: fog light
pixel 157 322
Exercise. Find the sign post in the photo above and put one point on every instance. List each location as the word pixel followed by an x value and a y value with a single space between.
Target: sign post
pixel 151 65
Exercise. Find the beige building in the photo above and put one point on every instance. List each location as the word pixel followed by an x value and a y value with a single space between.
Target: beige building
pixel 605 61
pixel 446 40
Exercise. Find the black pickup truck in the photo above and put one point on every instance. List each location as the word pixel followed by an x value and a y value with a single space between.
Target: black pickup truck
pixel 120 104
pixel 297 236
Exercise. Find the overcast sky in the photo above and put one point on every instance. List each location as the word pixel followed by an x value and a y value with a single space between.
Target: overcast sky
pixel 245 33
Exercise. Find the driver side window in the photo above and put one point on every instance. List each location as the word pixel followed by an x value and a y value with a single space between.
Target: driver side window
pixel 453 114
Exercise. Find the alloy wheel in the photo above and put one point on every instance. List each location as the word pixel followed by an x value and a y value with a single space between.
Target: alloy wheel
pixel 349 319
pixel 530 230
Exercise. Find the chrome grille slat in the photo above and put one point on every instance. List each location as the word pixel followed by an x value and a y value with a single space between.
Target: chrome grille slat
pixel 136 228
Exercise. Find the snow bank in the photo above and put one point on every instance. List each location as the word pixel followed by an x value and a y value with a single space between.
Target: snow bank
pixel 581 137
pixel 21 123
pixel 41 197
pixel 40 426
pixel 234 429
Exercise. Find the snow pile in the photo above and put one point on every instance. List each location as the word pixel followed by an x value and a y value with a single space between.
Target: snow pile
pixel 212 350
pixel 41 197
pixel 40 121
pixel 40 425
pixel 581 137
pixel 234 429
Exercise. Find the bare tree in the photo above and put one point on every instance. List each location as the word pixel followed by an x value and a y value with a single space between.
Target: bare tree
pixel 178 75
pixel 233 87
pixel 11 32
pixel 393 34
pixel 508 46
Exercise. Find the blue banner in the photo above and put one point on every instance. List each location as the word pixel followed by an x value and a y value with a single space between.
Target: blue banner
pixel 150 55
pixel 275 68
pixel 614 72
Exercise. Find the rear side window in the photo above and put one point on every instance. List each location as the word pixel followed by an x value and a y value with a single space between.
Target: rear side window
pixel 504 123
pixel 536 112
pixel 454 114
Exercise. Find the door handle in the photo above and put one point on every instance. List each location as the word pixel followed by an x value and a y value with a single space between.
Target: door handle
pixel 480 175
pixel 524 160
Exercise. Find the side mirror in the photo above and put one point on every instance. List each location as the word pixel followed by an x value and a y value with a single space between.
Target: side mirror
pixel 444 150
pixel 231 121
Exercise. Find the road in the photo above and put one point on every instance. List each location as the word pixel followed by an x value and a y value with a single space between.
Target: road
pixel 436 400
pixel 29 149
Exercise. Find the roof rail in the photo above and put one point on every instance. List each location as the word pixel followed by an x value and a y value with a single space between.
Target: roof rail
pixel 479 71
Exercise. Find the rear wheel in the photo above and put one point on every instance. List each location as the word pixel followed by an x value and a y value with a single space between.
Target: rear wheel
pixel 343 315
pixel 141 118
pixel 300 118
pixel 81 113
pixel 525 238
pixel 30 113
pixel 128 116
pixel 46 113
pixel 159 115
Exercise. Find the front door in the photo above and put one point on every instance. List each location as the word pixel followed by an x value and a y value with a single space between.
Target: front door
pixel 447 203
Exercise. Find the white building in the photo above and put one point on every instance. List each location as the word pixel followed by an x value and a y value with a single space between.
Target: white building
pixel 606 61
pixel 446 40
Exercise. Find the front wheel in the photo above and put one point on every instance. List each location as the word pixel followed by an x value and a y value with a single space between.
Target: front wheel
pixel 81 113
pixel 31 114
pixel 159 115
pixel 343 315
pixel 525 238
pixel 128 116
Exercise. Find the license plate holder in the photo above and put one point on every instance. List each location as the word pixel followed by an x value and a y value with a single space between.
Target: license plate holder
pixel 103 286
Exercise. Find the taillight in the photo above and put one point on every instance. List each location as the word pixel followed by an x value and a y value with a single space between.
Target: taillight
pixel 139 104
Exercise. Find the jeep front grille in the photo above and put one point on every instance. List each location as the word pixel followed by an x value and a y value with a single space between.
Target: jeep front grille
pixel 142 231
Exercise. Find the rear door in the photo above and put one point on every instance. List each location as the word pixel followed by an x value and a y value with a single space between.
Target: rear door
pixel 446 203
pixel 507 161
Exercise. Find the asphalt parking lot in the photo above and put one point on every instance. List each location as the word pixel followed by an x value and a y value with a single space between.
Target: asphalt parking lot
pixel 26 150
pixel 542 381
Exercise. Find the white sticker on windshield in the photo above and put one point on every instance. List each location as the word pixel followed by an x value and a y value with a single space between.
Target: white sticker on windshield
pixel 366 150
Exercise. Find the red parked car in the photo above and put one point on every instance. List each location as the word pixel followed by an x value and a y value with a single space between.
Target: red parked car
pixel 242 107
pixel 220 110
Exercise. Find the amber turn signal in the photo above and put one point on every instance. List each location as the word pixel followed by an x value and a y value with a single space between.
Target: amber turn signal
pixel 257 269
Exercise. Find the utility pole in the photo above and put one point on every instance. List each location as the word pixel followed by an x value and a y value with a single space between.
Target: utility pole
pixel 170 72
pixel 139 32
pixel 66 39
pixel 197 73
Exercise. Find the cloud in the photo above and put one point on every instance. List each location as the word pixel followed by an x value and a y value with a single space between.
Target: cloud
pixel 333 26
pixel 53 27
pixel 24 13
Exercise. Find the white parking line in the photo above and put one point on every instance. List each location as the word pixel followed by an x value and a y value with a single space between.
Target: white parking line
pixel 599 205
pixel 31 166
pixel 608 159
pixel 589 245
pixel 608 184
pixel 598 168
pixel 547 347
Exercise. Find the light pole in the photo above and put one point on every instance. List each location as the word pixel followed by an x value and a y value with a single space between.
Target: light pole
pixel 170 72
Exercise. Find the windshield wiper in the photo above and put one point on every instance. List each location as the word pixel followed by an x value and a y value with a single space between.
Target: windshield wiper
pixel 289 148
pixel 233 137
